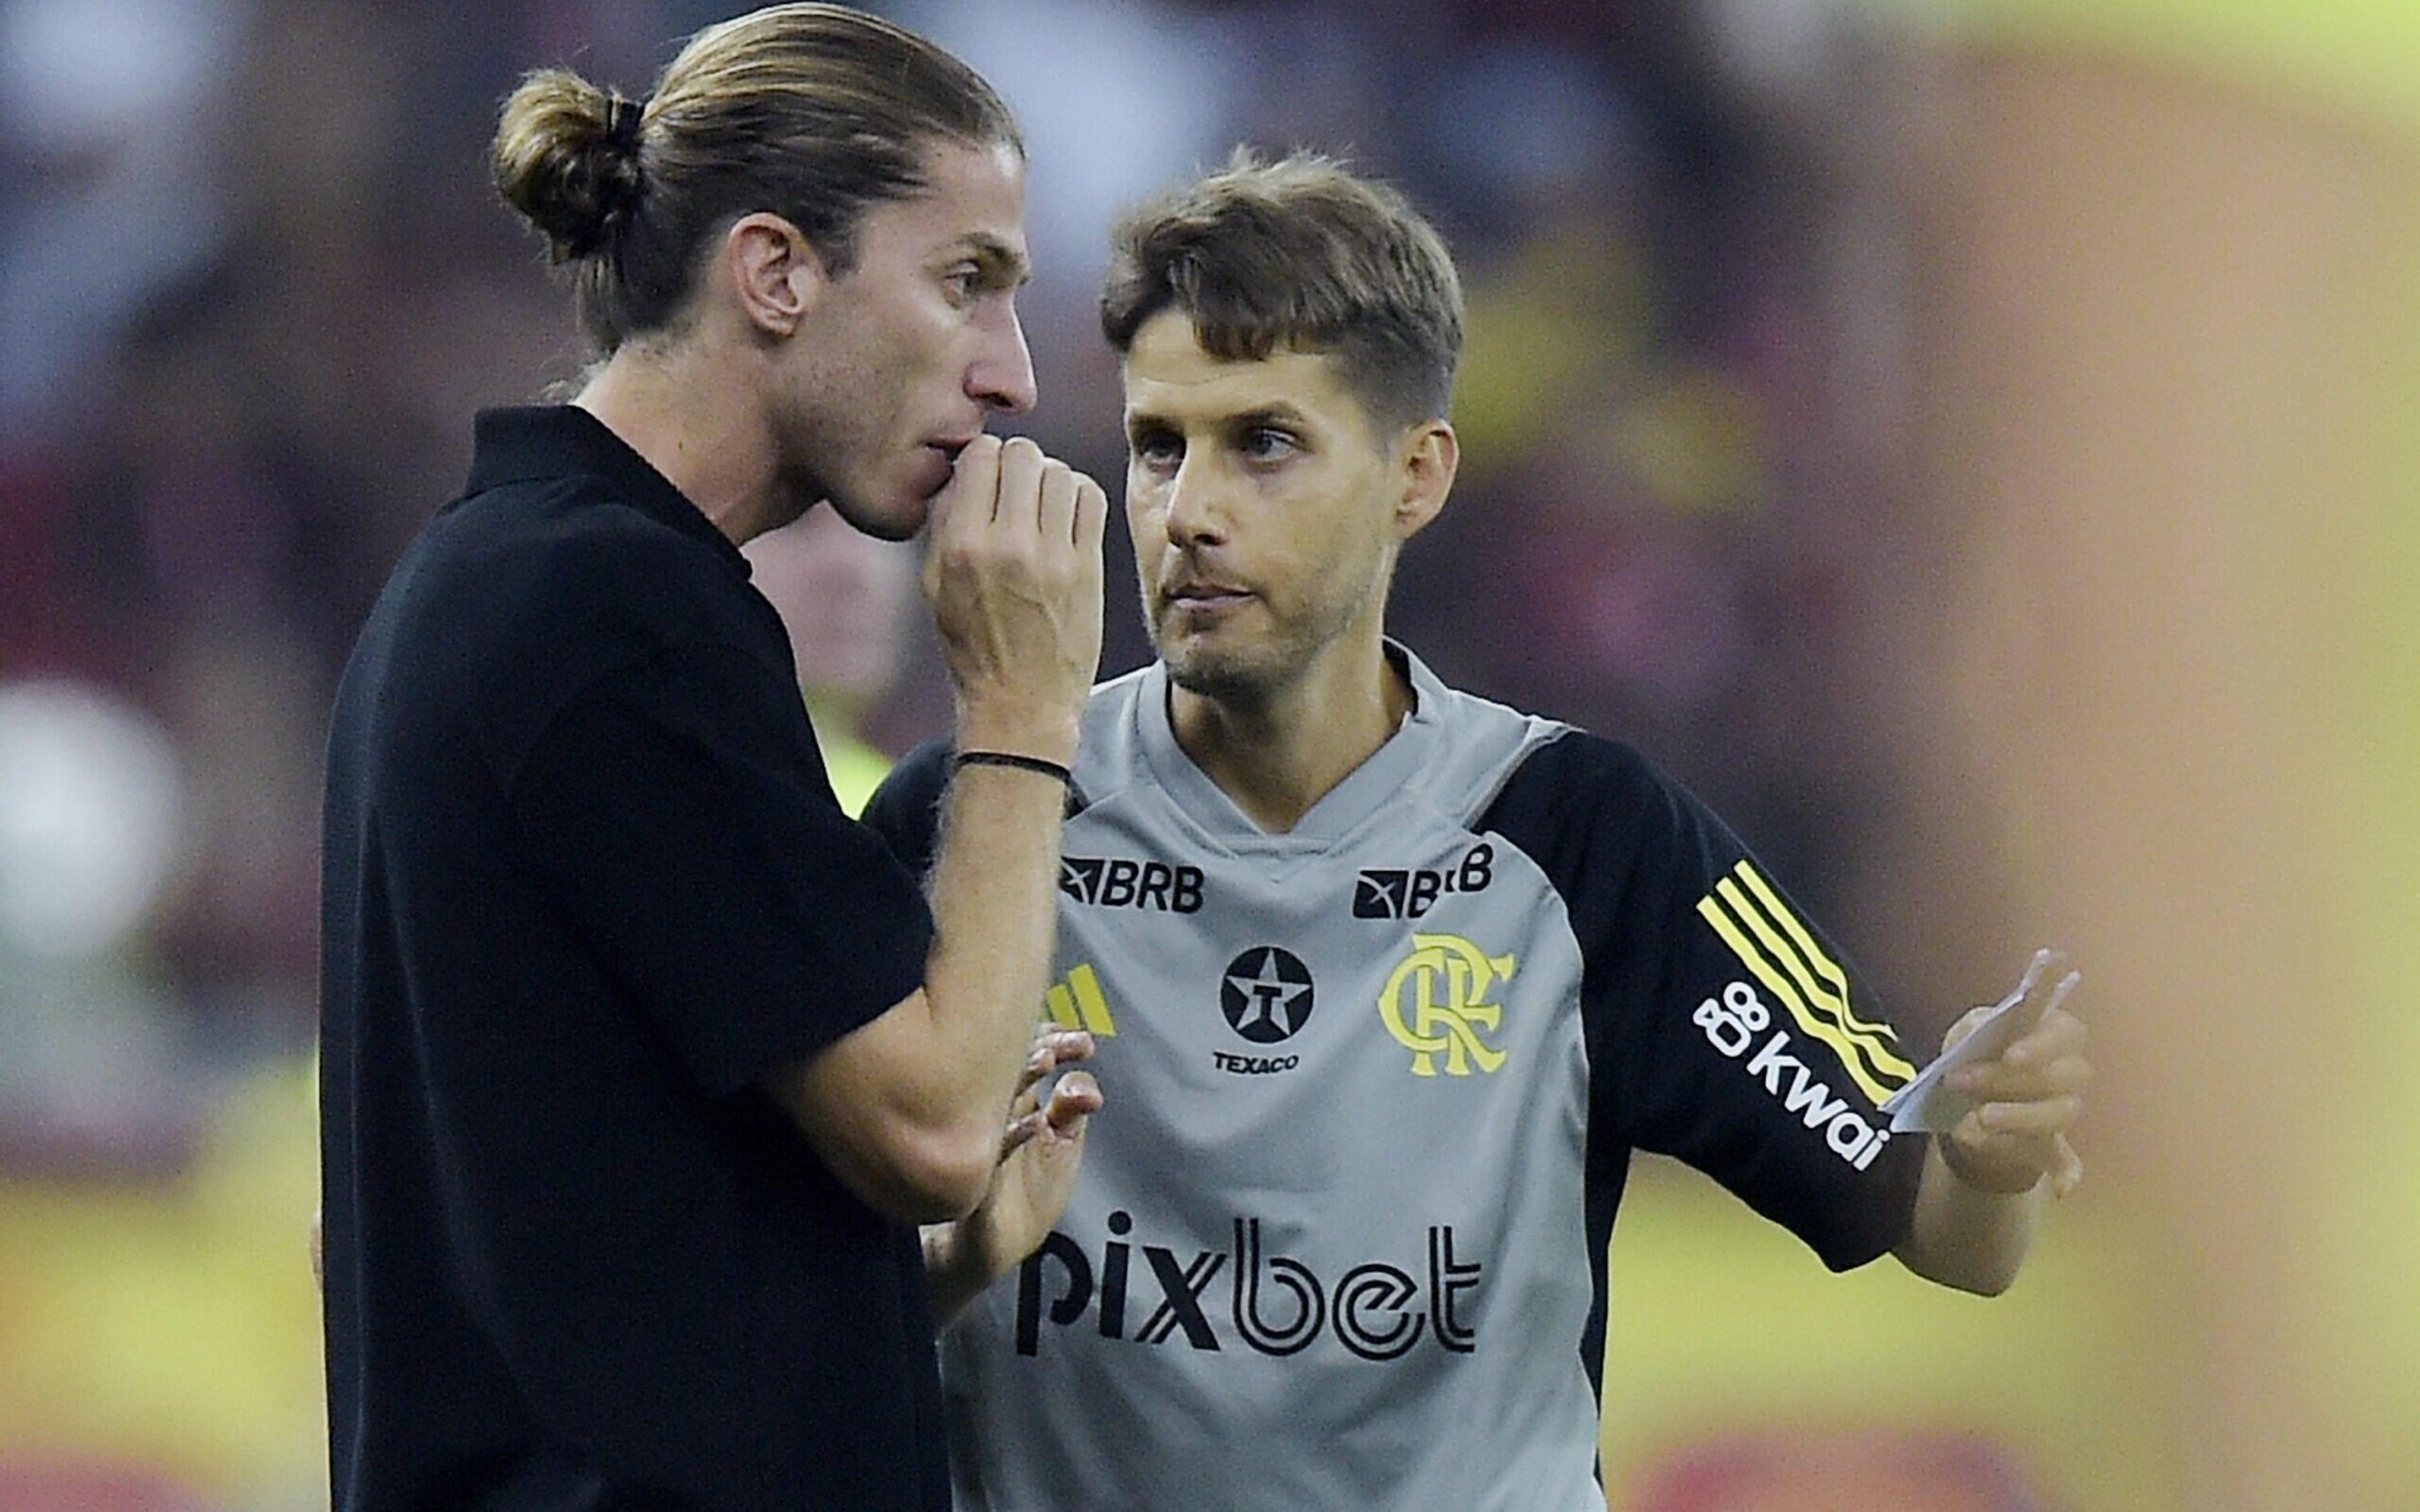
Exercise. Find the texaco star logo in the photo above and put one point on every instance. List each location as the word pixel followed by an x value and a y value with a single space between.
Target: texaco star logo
pixel 1267 994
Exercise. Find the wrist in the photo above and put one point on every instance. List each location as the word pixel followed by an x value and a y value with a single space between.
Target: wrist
pixel 967 1256
pixel 1015 761
pixel 1041 737
pixel 956 1257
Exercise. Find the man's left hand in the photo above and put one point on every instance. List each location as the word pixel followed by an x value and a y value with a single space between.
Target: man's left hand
pixel 1040 1152
pixel 2026 1098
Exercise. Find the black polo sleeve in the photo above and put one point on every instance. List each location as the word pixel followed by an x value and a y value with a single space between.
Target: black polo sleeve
pixel 678 812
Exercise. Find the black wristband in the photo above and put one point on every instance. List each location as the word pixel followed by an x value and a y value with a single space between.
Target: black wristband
pixel 1007 758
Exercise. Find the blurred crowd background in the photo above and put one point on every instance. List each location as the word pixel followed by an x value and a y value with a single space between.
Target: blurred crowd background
pixel 1976 444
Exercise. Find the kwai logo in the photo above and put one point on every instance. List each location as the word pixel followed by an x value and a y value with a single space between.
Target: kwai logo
pixel 1275 1304
pixel 1733 1022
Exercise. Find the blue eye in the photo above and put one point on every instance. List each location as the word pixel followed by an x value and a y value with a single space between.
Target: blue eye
pixel 1264 444
pixel 1155 449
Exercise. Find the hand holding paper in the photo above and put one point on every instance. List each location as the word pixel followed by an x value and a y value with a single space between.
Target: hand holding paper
pixel 2007 1088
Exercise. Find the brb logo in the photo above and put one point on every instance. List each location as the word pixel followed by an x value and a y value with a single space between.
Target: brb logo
pixel 1276 1304
pixel 1388 892
pixel 1435 1004
pixel 1115 882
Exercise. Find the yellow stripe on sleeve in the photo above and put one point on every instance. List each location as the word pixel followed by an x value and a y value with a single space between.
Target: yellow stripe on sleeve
pixel 1875 1040
pixel 1823 963
pixel 1711 908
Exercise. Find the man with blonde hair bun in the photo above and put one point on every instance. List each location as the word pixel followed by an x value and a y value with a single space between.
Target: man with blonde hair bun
pixel 642 1062
pixel 1388 980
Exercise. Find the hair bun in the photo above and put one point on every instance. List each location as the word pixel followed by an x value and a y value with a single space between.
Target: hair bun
pixel 567 157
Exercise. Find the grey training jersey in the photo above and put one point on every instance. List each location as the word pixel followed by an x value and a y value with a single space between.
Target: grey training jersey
pixel 1373 1085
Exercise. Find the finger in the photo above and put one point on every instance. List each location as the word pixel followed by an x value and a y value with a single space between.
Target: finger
pixel 2042 967
pixel 1021 484
pixel 1076 1098
pixel 1056 506
pixel 1022 1130
pixel 2044 973
pixel 958 514
pixel 1024 1105
pixel 2052 1115
pixel 1073 1100
pixel 2001 1164
pixel 1998 1082
pixel 1068 1045
pixel 2046 991
pixel 1053 1047
pixel 965 502
pixel 2059 1033
pixel 2043 983
pixel 1092 516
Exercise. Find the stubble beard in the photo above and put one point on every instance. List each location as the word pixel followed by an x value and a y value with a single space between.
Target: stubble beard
pixel 1252 674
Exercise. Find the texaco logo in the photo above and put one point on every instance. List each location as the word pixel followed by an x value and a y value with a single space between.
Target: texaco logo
pixel 1267 994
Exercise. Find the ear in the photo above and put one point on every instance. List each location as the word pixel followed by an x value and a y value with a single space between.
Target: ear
pixel 775 273
pixel 1426 459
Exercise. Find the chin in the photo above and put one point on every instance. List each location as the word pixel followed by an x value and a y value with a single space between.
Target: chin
pixel 1223 676
pixel 893 519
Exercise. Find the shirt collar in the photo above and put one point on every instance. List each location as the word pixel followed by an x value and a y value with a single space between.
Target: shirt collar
pixel 533 443
pixel 1363 796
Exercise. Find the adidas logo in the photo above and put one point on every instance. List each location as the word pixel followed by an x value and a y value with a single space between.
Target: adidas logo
pixel 1077 1003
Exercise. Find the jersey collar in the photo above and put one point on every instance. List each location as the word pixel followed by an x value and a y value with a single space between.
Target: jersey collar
pixel 534 443
pixel 1367 790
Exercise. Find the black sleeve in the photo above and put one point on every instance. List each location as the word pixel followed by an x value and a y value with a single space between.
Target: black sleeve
pixel 679 812
pixel 906 811
pixel 1722 1027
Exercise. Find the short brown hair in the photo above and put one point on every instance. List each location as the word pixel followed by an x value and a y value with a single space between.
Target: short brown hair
pixel 1303 253
pixel 816 112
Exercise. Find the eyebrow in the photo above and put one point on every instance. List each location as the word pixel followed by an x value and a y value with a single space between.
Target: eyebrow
pixel 1270 414
pixel 1279 414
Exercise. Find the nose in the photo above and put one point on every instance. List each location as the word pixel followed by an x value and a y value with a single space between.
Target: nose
pixel 1001 377
pixel 1194 515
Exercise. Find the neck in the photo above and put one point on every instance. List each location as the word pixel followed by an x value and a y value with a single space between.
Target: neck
pixel 690 414
pixel 1279 754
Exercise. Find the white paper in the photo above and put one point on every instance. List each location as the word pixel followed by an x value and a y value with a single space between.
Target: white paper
pixel 1927 1102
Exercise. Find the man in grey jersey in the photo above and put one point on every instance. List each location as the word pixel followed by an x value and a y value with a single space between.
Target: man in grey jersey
pixel 1388 980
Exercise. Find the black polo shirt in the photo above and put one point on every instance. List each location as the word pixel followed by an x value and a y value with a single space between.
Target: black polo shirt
pixel 587 888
